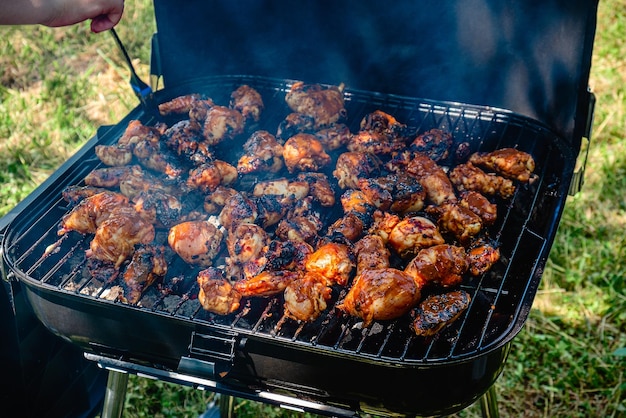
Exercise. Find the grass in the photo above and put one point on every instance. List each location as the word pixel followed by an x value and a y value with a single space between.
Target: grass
pixel 58 85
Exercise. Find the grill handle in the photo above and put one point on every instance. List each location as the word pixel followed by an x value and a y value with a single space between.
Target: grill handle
pixel 210 356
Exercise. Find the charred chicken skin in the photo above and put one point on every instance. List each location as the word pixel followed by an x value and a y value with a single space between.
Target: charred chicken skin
pixel 435 143
pixel 147 266
pixel 248 102
pixel 352 166
pixel 438 311
pixel 262 152
pixel 324 104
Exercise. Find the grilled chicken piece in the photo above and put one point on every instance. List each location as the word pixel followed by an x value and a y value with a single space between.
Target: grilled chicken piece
pixel 75 194
pixel 349 226
pixel 262 152
pixel 438 311
pixel 245 242
pixel 135 132
pixel 356 201
pixel 248 101
pixel 303 152
pixel 109 177
pixel 442 264
pixel 302 223
pixel 217 294
pixel 153 155
pixel 208 176
pixel 114 155
pixel 287 255
pixel 85 217
pixel 334 137
pixel 324 104
pixel 288 190
pixel 138 180
pixel 382 122
pixel 215 201
pixel 196 242
pixel 218 123
pixel 438 187
pixel 468 177
pixel 371 254
pixel 238 209
pixel 481 258
pixel 295 123
pixel 481 206
pixel 147 266
pixel 458 220
pixel 412 234
pixel 180 105
pixel 351 166
pixel 271 209
pixel 320 188
pixel 307 297
pixel 185 140
pixel 374 142
pixel 434 143
pixel 266 283
pixel 383 223
pixel 159 208
pixel 116 236
pixel 333 261
pixel 380 294
pixel 508 162
pixel 395 192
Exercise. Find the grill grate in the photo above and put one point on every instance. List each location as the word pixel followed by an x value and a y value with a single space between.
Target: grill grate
pixel 500 298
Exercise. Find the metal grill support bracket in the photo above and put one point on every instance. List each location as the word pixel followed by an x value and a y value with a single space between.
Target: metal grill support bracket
pixel 210 356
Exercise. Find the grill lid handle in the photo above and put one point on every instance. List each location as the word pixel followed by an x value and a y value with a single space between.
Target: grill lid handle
pixel 211 356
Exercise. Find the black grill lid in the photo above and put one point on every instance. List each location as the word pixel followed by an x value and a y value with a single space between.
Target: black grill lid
pixel 533 59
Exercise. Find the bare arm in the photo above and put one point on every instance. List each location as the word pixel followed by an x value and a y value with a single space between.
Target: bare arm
pixel 104 14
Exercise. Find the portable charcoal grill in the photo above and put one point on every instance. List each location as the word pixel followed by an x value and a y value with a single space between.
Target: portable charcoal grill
pixel 494 75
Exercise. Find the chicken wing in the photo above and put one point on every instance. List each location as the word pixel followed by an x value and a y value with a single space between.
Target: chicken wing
pixel 412 234
pixel 371 253
pixel 324 104
pixel 262 152
pixel 441 264
pixel 468 177
pixel 333 261
pixel 266 283
pixel 248 101
pixel 353 165
pixel 217 294
pixel 438 311
pixel 196 242
pixel 303 152
pixel 435 143
pixel 147 266
pixel 306 297
pixel 435 181
pixel 508 162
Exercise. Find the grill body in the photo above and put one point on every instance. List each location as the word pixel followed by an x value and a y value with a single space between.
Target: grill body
pixel 486 79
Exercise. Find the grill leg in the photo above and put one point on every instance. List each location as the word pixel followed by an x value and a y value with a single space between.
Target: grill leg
pixel 489 403
pixel 115 395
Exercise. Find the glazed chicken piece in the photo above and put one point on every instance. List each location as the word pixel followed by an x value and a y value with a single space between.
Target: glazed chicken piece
pixel 481 206
pixel 215 201
pixel 271 209
pixel 180 105
pixel 380 294
pixel 136 131
pixel 262 152
pixel 218 123
pixel 334 137
pixel 438 311
pixel 412 234
pixel 438 187
pixel 85 217
pixel 319 188
pixel 208 176
pixel 333 261
pixel 287 255
pixel 481 258
pixel 116 236
pixel 374 142
pixel 217 294
pixel 356 201
pixel 383 224
pixel 442 264
pixel 434 143
pixel 295 123
pixel 246 241
pixel 324 104
pixel 138 180
pixel 288 190
pixel 248 102
pixel 147 266
pixel 159 208
pixel 349 226
pixel 114 155
pixel 399 193
pixel 109 177
pixel 238 209
pixel 507 162
pixel 371 254
pixel 299 228
pixel 185 140
pixel 75 194
pixel 153 155
pixel 351 166
pixel 307 297
pixel 266 283
pixel 468 177
pixel 458 220
pixel 196 242
pixel 303 152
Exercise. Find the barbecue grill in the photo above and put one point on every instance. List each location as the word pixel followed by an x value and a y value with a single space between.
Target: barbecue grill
pixel 494 75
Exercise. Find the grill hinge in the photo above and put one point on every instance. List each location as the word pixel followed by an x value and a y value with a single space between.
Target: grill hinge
pixel 578 179
pixel 210 356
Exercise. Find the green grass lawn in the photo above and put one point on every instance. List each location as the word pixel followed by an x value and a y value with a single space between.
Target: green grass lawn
pixel 58 85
